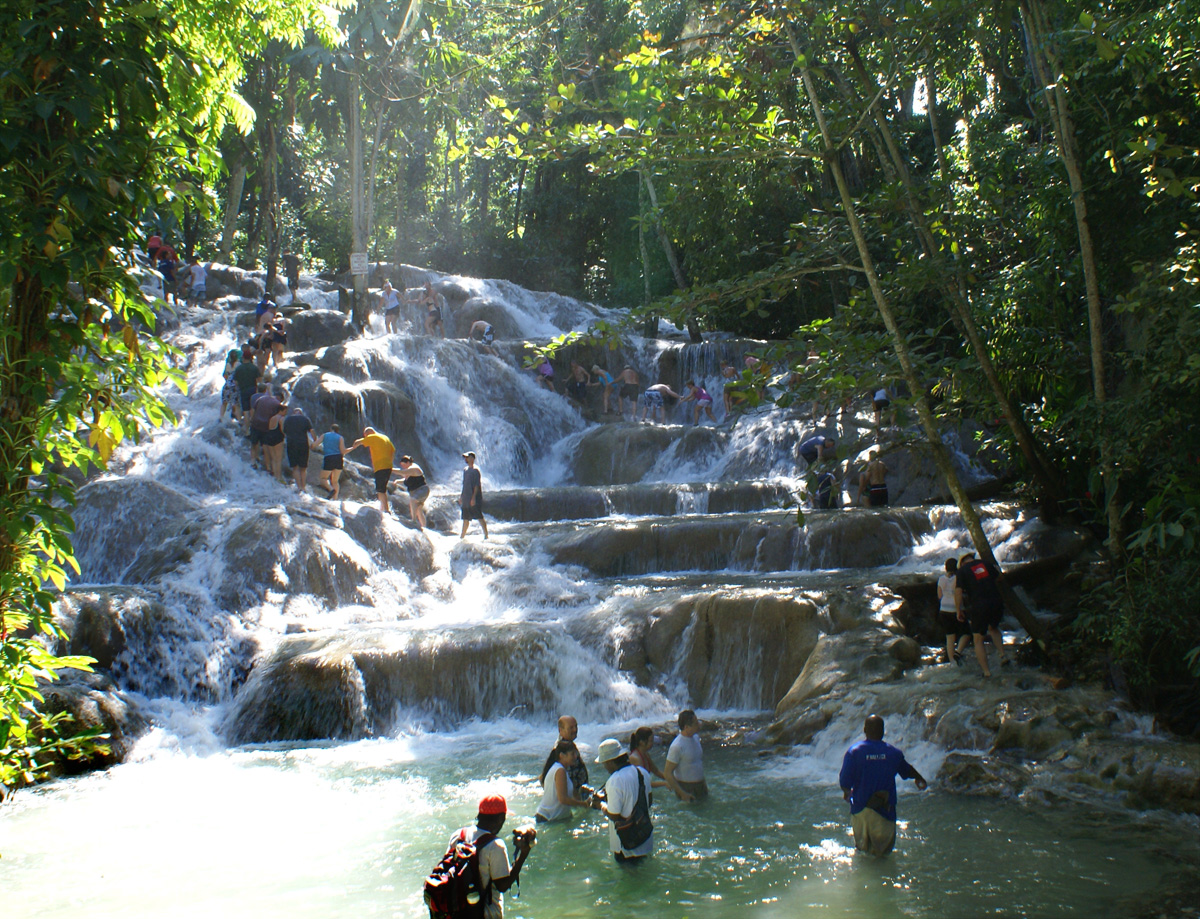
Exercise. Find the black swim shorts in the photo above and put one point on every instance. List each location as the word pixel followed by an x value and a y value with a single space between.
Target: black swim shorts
pixel 877 496
pixel 333 461
pixel 983 616
pixel 255 435
pixel 950 624
pixel 245 395
pixel 271 438
pixel 629 390
pixel 474 511
pixel 382 477
pixel 297 454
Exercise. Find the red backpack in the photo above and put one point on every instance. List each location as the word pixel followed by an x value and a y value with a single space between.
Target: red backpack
pixel 453 888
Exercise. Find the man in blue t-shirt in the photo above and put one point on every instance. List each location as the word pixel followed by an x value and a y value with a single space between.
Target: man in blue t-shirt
pixel 868 780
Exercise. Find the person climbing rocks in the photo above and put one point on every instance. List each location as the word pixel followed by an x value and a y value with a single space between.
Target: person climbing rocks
pixel 487 335
pixel 418 490
pixel 868 780
pixel 628 382
pixel 957 634
pixel 197 278
pixel 263 407
pixel 559 793
pixel 880 400
pixel 826 494
pixel 627 804
pixel 578 383
pixel 543 372
pixel 264 313
pixel 230 397
pixel 818 447
pixel 298 440
pixel 246 376
pixel 873 483
pixel 703 401
pixel 729 393
pixel 389 302
pixel 382 452
pixel 976 582
pixel 496 875
pixel 472 495
pixel 333 451
pixel 605 379
pixel 167 262
pixel 276 338
pixel 272 441
pixel 568 729
pixel 684 771
pixel 654 402
pixel 291 270
pixel 435 305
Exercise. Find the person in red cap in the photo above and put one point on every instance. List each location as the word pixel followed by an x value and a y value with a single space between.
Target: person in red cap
pixel 496 875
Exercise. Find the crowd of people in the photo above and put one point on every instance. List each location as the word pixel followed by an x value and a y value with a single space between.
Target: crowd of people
pixel 626 801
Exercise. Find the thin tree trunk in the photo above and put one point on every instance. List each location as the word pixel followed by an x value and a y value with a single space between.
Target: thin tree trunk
pixel 931 107
pixel 941 457
pixel 681 282
pixel 401 200
pixel 249 259
pixel 516 230
pixel 358 227
pixel 1051 81
pixel 650 327
pixel 271 203
pixel 381 117
pixel 1038 465
pixel 233 203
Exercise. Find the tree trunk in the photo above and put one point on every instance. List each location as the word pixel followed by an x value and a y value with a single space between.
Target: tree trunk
pixel 249 259
pixel 941 457
pixel 270 203
pixel 358 227
pixel 693 326
pixel 401 200
pixel 1051 81
pixel 931 108
pixel 516 229
pixel 650 326
pixel 381 117
pixel 233 203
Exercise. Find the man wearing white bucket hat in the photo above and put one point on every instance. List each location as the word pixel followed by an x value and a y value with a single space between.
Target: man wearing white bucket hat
pixel 627 805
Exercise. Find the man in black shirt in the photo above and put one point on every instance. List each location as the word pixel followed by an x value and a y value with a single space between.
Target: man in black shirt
pixel 976 581
pixel 298 438
pixel 568 729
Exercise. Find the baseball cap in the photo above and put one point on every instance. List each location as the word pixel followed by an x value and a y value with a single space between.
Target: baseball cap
pixel 493 804
pixel 609 749
pixel 469 453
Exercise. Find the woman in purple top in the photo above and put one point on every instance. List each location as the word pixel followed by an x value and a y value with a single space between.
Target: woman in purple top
pixel 694 393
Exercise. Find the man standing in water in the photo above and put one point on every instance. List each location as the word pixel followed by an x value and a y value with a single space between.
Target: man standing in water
pixel 472 496
pixel 382 453
pixel 495 874
pixel 627 804
pixel 868 780
pixel 684 770
pixel 568 729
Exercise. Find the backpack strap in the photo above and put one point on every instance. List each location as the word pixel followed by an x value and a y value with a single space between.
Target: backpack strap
pixel 483 840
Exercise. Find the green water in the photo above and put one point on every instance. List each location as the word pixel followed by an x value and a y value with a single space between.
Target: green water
pixel 350 831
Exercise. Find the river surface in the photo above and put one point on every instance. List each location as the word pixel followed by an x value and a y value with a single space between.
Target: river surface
pixel 351 830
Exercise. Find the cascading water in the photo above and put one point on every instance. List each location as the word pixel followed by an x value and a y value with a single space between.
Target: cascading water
pixel 332 691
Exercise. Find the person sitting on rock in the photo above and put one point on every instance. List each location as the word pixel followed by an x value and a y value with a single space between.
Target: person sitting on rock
pixel 873 483
pixel 605 379
pixel 628 382
pixel 698 395
pixel 487 335
pixel 654 402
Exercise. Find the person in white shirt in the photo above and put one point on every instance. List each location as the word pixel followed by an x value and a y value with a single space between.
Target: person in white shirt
pixel 627 805
pixel 684 770
pixel 956 632
pixel 389 300
pixel 559 795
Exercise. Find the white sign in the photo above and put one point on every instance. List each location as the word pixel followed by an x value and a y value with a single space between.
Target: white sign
pixel 358 263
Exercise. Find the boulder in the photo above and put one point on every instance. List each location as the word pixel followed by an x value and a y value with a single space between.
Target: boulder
pixel 115 519
pixel 618 454
pixel 989 776
pixel 227 281
pixel 491 311
pixel 318 328
pixel 94 703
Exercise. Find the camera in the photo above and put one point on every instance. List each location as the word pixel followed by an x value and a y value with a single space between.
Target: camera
pixel 525 836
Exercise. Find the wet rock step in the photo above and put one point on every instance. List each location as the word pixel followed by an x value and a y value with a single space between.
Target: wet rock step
pixel 649 500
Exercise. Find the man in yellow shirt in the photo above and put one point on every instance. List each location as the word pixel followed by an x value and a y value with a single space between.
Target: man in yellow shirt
pixel 382 454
